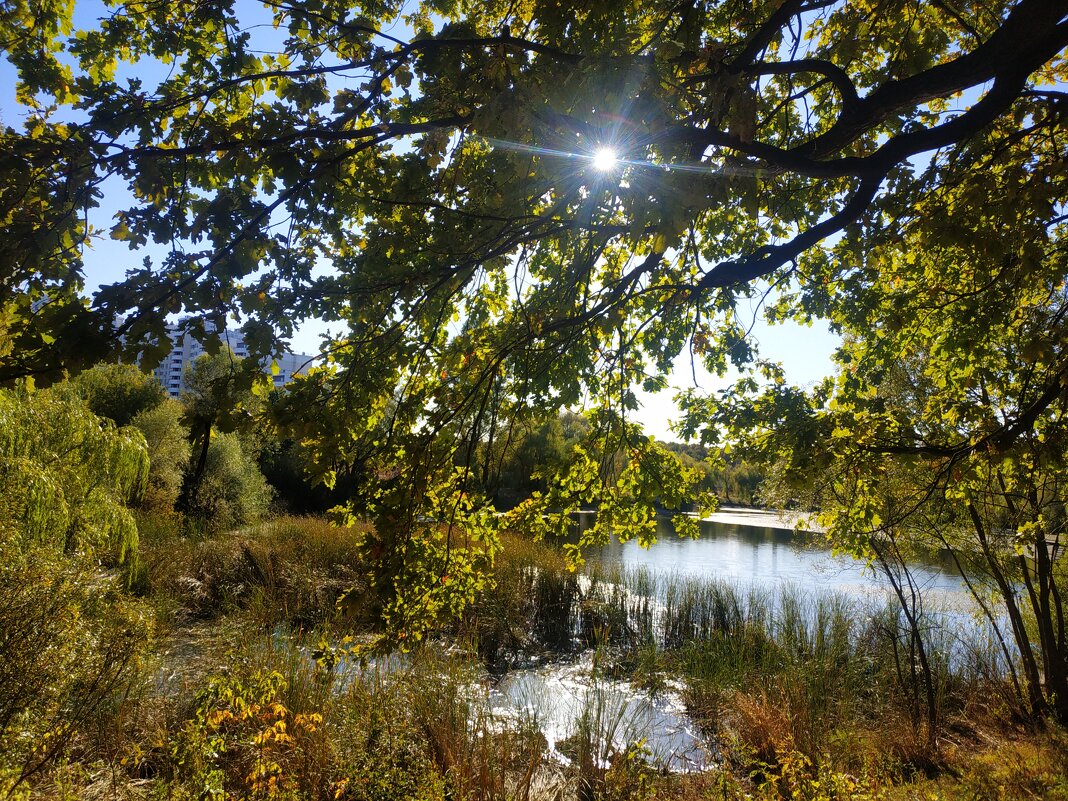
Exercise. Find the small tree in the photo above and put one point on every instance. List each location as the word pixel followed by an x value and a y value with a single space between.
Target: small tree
pixel 232 489
pixel 119 392
pixel 65 475
pixel 168 451
pixel 217 395
pixel 126 395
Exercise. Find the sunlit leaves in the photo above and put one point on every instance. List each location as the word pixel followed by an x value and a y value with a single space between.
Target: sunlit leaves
pixel 624 476
pixel 312 110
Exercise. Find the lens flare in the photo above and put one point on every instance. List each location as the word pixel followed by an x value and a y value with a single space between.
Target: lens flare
pixel 604 159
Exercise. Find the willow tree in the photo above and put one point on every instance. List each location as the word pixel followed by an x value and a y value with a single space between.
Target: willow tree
pixel 68 639
pixel 65 477
pixel 500 206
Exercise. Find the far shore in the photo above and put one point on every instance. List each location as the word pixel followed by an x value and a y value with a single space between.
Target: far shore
pixel 766 518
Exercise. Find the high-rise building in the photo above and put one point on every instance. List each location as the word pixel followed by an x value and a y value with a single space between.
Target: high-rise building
pixel 186 349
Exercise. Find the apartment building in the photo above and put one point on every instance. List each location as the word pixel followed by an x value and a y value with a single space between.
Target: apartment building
pixel 186 349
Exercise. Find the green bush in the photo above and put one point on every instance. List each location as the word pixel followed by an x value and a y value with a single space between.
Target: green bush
pixel 276 725
pixel 232 491
pixel 168 453
pixel 70 649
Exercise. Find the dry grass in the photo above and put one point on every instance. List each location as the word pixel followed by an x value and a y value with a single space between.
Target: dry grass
pixel 291 570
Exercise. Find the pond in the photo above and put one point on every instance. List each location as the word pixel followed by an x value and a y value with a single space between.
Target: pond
pixel 742 548
pixel 562 694
pixel 753 548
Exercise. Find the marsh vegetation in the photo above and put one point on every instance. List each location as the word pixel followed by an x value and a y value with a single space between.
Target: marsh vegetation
pixel 240 676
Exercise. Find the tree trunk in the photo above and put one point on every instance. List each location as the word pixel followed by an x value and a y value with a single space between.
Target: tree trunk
pixel 909 606
pixel 1052 646
pixel 991 619
pixel 191 488
pixel 1019 631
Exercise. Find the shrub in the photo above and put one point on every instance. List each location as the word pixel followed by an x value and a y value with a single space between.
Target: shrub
pixel 70 647
pixel 243 741
pixel 232 491
pixel 168 453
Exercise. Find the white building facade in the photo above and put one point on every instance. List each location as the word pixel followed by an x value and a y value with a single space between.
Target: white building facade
pixel 186 349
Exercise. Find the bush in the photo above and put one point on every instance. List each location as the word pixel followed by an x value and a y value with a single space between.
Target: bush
pixel 276 725
pixel 70 649
pixel 168 453
pixel 244 742
pixel 232 491
pixel 69 643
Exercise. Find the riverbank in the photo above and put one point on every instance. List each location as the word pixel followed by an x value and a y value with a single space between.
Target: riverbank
pixel 247 692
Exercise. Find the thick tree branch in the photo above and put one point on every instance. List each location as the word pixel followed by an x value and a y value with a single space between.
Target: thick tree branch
pixel 768 259
pixel 832 72
pixel 1032 34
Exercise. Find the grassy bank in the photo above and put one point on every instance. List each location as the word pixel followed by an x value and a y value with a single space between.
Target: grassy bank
pixel 806 697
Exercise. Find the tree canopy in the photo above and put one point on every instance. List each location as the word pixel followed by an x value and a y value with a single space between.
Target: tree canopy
pixel 437 158
pixel 128 396
pixel 119 392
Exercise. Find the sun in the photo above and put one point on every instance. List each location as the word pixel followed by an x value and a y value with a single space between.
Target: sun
pixel 604 159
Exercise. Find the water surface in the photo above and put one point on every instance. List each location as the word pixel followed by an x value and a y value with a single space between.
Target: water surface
pixel 759 549
pixel 556 698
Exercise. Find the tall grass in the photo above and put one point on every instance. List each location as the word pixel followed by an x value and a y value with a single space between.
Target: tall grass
pixel 290 570
pixel 777 669
pixel 806 663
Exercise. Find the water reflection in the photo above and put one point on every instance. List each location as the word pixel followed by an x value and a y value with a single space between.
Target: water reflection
pixel 761 555
pixel 562 699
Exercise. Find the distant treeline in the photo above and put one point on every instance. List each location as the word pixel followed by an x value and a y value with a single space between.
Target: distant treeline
pixel 525 457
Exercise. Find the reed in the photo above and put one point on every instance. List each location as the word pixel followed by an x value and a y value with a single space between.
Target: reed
pixel 776 670
pixel 290 570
